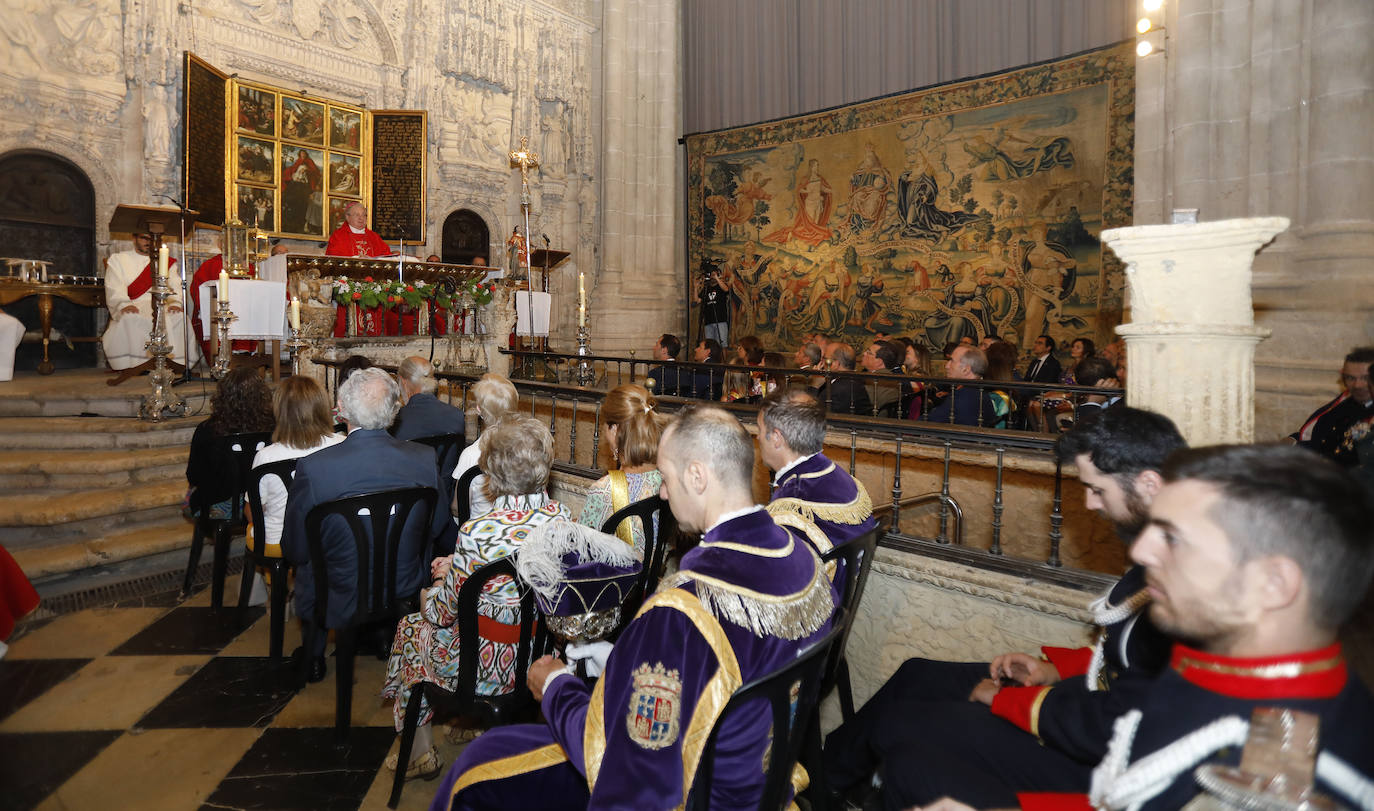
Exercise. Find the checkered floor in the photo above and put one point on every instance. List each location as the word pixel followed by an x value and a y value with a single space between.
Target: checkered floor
pixel 168 704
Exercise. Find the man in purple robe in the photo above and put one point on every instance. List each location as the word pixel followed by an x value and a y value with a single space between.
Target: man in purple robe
pixel 746 600
pixel 806 483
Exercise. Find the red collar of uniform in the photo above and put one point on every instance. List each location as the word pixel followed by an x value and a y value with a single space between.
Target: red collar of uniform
pixel 1317 673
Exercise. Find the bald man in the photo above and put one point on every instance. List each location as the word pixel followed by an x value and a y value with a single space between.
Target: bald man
pixel 354 238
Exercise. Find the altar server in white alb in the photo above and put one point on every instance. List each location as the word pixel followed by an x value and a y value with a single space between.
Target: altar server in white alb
pixel 11 333
pixel 128 282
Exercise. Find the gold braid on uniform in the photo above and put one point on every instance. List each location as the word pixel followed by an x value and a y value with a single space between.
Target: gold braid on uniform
pixel 855 511
pixel 787 616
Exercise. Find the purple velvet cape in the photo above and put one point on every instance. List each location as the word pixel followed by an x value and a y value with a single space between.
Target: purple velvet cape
pixel 642 715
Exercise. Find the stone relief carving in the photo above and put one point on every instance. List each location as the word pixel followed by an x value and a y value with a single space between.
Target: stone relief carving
pixel 554 143
pixel 160 120
pixel 80 37
pixel 478 124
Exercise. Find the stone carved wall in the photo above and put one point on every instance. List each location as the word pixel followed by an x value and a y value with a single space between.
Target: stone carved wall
pixel 99 83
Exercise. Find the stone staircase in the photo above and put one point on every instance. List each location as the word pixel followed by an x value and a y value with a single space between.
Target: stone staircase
pixel 86 488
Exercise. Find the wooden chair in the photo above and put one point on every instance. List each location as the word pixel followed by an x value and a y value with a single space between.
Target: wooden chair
pixel 240 448
pixel 278 567
pixel 394 517
pixel 497 710
pixel 792 693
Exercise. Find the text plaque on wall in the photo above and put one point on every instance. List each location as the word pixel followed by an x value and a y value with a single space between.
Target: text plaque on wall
pixel 398 174
pixel 203 169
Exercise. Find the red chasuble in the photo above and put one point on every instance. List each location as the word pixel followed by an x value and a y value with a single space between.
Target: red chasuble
pixel 346 243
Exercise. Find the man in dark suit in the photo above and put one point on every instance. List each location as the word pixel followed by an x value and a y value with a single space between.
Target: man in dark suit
pixel 971 405
pixel 369 460
pixel 424 414
pixel 844 395
pixel 1045 367
pixel 669 379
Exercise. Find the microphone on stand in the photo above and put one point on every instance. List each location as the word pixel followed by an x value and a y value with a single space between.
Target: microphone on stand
pixel 546 239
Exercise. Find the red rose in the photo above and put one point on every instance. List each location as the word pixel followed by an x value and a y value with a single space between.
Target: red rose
pixel 367 278
pixel 410 288
pixel 357 295
pixel 391 299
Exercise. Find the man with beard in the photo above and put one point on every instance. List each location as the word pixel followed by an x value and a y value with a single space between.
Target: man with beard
pixel 928 731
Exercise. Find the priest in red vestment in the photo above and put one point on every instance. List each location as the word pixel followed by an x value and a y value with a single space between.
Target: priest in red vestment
pixel 209 272
pixel 354 238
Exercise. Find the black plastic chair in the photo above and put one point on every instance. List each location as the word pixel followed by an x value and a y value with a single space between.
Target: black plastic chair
pixel 657 545
pixel 377 600
pixel 535 641
pixel 285 471
pixel 462 488
pixel 857 557
pixel 793 715
pixel 240 448
pixel 446 449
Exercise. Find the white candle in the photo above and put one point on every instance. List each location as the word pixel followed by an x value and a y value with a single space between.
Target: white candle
pixel 581 299
pixel 223 285
pixel 162 262
pixel 296 314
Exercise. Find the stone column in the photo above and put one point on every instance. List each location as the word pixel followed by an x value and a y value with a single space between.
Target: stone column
pixel 1190 345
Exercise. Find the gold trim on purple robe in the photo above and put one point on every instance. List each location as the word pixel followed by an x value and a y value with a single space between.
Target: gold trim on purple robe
pixel 523 763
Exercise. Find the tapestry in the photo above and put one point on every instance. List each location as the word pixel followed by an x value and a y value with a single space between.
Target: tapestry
pixel 966 209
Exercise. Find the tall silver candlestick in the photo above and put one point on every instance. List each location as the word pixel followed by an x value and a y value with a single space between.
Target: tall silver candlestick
pixel 585 374
pixel 224 353
pixel 162 397
pixel 295 345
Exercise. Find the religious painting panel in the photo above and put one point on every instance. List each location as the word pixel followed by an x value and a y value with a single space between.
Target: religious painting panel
pixel 345 175
pixel 337 207
pixel 257 111
pixel 966 209
pixel 302 120
pixel 302 191
pixel 256 160
pixel 257 208
pixel 345 129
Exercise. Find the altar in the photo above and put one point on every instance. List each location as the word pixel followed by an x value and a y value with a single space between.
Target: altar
pixel 388 310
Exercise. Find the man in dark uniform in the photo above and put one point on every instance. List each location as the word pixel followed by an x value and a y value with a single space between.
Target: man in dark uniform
pixel 926 736
pixel 1325 428
pixel 1255 555
pixel 746 601
pixel 807 484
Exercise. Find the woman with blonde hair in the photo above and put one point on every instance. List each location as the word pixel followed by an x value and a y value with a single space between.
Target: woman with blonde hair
pixel 495 398
pixel 631 427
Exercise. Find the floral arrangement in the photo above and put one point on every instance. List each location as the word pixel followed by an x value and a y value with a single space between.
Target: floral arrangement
pixel 370 293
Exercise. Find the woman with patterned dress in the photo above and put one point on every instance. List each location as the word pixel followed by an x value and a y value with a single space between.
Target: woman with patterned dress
pixel 632 429
pixel 516 456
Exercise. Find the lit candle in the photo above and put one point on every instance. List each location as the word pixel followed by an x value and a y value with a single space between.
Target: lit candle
pixel 581 299
pixel 296 314
pixel 223 285
pixel 162 262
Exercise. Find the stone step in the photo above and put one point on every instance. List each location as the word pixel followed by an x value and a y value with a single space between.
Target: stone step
pixel 53 560
pixel 39 519
pixel 25 470
pixel 94 433
pixel 72 392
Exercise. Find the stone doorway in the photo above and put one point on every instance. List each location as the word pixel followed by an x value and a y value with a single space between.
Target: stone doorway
pixel 465 238
pixel 47 211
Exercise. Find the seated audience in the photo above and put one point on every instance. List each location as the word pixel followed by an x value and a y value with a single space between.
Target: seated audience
pixel 707 383
pixel 1325 428
pixel 916 362
pixel 351 364
pixel 516 457
pixel 791 437
pixel 925 735
pixel 242 403
pixel 424 414
pixel 494 397
pixel 1001 366
pixel 844 395
pixel 966 405
pixel 739 384
pixel 809 358
pixel 304 425
pixel 1255 555
pixel 771 381
pixel 668 379
pixel 747 600
pixel 1096 371
pixel 1044 366
pixel 368 460
pixel 883 357
pixel 631 429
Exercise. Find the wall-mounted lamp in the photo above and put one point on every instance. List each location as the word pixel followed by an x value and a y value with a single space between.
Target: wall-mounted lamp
pixel 1149 28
